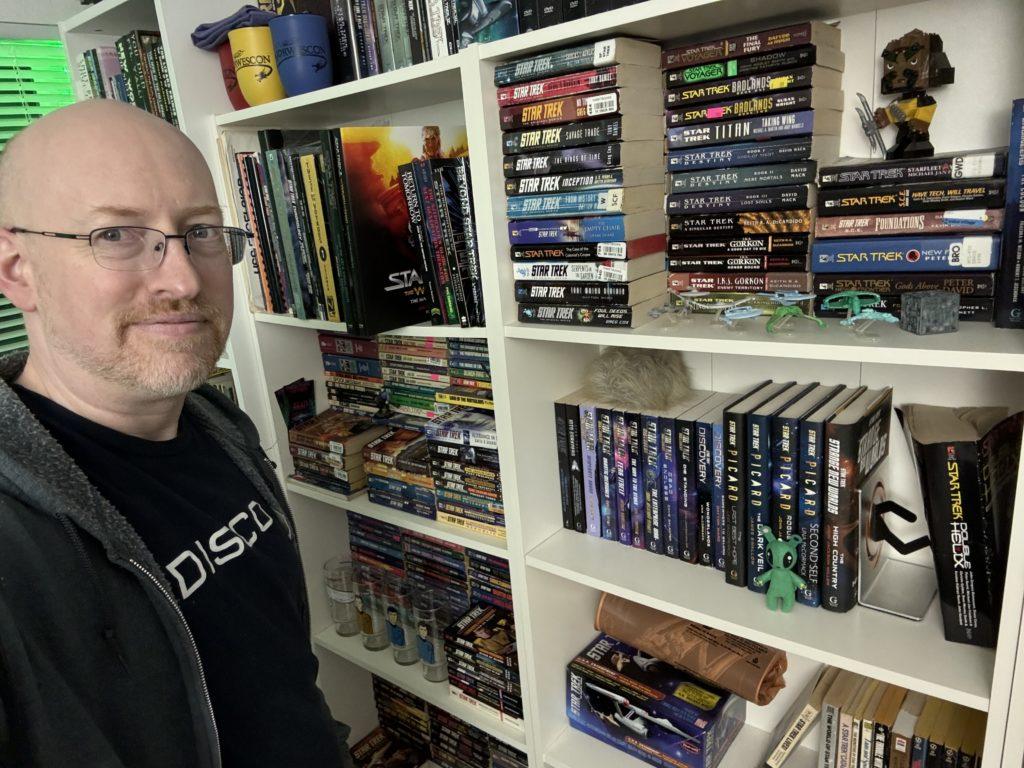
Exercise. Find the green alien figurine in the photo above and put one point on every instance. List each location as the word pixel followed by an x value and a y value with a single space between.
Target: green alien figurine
pixel 782 582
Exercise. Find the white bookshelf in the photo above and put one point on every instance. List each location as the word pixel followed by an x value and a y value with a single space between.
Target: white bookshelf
pixel 423 329
pixel 557 576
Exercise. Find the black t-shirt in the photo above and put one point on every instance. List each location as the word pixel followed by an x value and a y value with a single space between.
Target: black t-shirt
pixel 236 576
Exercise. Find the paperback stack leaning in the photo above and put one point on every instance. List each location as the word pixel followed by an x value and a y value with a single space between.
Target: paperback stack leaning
pixel 483 668
pixel 583 174
pixel 747 118
pixel 917 224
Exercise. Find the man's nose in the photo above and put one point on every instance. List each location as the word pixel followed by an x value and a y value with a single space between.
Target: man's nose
pixel 177 276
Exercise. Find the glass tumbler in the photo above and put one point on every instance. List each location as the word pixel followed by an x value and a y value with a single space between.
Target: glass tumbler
pixel 341 597
pixel 400 625
pixel 430 612
pixel 370 608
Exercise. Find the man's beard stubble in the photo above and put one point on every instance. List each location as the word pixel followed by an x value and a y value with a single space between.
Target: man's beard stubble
pixel 154 366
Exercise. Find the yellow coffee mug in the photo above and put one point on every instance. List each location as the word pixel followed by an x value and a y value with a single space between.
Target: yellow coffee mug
pixel 255 66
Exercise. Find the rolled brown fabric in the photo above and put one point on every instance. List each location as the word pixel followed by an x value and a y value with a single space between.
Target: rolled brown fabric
pixel 748 669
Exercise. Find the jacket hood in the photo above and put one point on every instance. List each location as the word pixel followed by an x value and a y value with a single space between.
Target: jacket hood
pixel 35 469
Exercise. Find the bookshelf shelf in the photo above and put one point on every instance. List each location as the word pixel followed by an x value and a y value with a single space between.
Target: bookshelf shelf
pixel 363 506
pixel 866 641
pixel 572 749
pixel 382 664
pixel 112 17
pixel 420 85
pixel 424 329
pixel 976 346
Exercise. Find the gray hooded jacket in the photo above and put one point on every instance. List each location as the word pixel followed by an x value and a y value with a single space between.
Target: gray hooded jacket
pixel 97 664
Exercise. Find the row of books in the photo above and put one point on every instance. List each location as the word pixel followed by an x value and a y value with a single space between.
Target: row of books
pixel 13 335
pixel 371 227
pixel 133 70
pixel 939 218
pixel 585 179
pixel 747 118
pixel 698 480
pixel 424 731
pixel 483 666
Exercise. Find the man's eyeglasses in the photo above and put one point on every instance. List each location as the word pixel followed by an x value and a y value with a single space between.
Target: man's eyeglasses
pixel 134 249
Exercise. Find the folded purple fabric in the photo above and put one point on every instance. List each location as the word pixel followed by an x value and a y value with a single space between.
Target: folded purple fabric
pixel 209 36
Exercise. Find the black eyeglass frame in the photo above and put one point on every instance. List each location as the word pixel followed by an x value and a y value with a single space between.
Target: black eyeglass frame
pixel 167 236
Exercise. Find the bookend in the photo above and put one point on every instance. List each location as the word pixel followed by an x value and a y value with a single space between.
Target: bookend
pixel 887 583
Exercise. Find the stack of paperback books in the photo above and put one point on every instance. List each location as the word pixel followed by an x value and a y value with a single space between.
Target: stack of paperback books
pixel 397 467
pixel 379 748
pixel 455 743
pixel 402 715
pixel 352 373
pixel 433 564
pixel 12 327
pixel 698 480
pixel 133 70
pixel 489 580
pixel 747 118
pixel 328 442
pixel 371 227
pixel 376 544
pixel 469 375
pixel 463 446
pixel 583 168
pixel 504 756
pixel 483 668
pixel 894 226
pixel 414 370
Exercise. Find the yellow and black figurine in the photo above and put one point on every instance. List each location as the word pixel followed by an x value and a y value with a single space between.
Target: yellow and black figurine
pixel 911 64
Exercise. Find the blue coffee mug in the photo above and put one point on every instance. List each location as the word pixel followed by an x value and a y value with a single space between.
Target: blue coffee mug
pixel 303 52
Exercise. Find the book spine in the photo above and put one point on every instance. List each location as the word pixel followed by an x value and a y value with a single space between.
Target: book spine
pixel 572 252
pixel 259 287
pixel 980 165
pixel 1010 291
pixel 401 38
pixel 568 292
pixel 577 315
pixel 918 751
pixel 284 223
pixel 382 25
pixel 637 509
pixel 620 436
pixel 164 74
pixel 432 222
pixel 357 324
pixel 745 87
pixel 144 49
pixel 740 282
pixel 972 284
pixel 561 110
pixel 606 472
pixel 346 59
pixel 774 175
pixel 448 207
pixel 556 87
pixel 549 13
pixel 840 514
pixel 829 736
pixel 705 264
pixel 595 203
pixel 739 155
pixel 651 484
pixel 669 470
pixel 704 486
pixel 138 74
pixel 594 229
pixel 591 477
pixel 359 366
pixel 528 19
pixel 318 227
pixel 757 42
pixel 742 66
pixel 931 222
pixel 718 495
pixel 452 25
pixel 564 483
pixel 735 499
pixel 472 248
pixel 906 254
pixel 927 196
pixel 865 749
pixel 302 234
pixel 563 136
pixel 565 182
pixel 574 443
pixel 750 106
pixel 751 128
pixel 605 272
pixel 739 223
pixel 569 160
pixel 438 35
pixel 127 67
pixel 275 254
pixel 784 490
pixel 418 46
pixel 365 34
pixel 759 474
pixel 809 504
pixel 686 501
pixel 880 749
pixel 560 62
pixel 739 200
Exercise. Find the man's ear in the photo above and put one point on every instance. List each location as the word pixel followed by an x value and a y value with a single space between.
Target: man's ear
pixel 16 281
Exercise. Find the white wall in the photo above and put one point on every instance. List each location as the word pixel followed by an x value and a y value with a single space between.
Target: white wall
pixel 34 18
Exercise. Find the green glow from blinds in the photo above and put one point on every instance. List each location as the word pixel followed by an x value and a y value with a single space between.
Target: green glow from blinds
pixel 34 80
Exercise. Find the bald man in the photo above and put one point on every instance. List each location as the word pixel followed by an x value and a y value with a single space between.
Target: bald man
pixel 152 605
